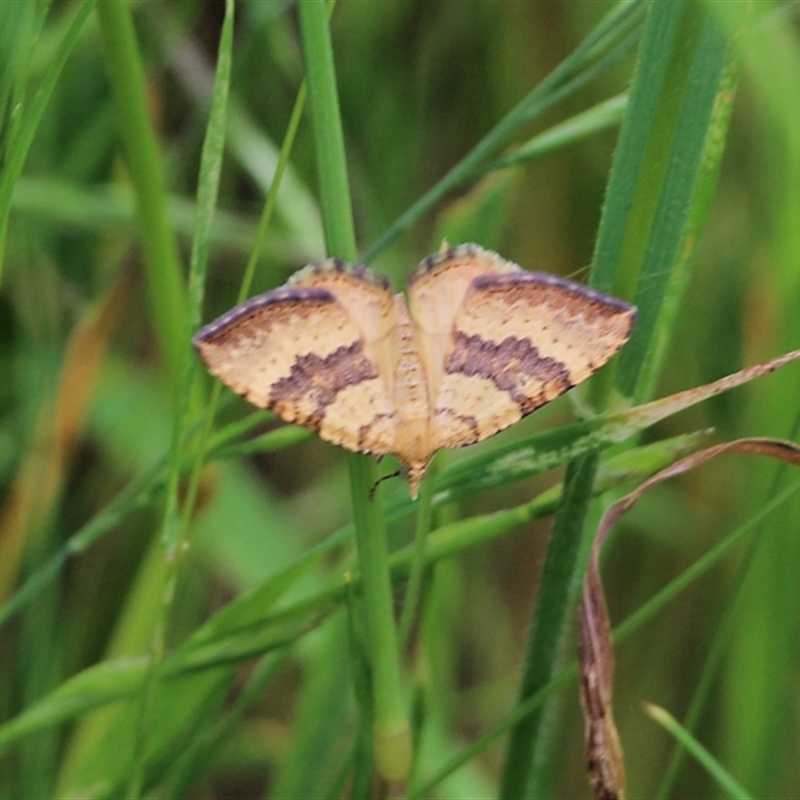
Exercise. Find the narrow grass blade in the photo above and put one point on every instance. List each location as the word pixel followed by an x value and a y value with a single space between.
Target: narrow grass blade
pixel 653 182
pixel 725 780
pixel 17 149
pixel 164 281
pixel 391 733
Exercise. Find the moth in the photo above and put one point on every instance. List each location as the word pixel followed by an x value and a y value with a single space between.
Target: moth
pixel 479 344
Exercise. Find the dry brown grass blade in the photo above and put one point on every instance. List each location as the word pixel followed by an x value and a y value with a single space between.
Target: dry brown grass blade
pixel 648 414
pixel 39 481
pixel 604 752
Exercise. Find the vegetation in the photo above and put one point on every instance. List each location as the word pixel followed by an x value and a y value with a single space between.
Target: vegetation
pixel 195 599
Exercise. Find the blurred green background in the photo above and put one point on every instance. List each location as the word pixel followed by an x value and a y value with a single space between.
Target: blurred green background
pixel 86 404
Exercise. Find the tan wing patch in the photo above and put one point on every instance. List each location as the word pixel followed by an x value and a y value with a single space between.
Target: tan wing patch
pixel 520 340
pixel 300 351
pixel 484 344
pixel 436 292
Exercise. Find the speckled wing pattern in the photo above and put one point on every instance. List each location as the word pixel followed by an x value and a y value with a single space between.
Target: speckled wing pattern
pixel 317 351
pixel 480 344
pixel 506 341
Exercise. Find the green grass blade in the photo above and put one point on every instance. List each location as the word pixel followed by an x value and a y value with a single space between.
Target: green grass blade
pixel 704 563
pixel 164 280
pixel 725 780
pixel 110 209
pixel 611 35
pixel 604 115
pixel 391 729
pixel 174 528
pixel 17 147
pixel 654 176
pixel 659 167
pixel 554 601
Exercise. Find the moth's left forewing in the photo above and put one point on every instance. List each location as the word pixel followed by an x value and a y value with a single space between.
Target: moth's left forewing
pixel 256 345
pixel 316 351
pixel 368 300
pixel 520 340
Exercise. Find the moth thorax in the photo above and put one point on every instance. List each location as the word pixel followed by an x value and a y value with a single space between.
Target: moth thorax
pixel 410 380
